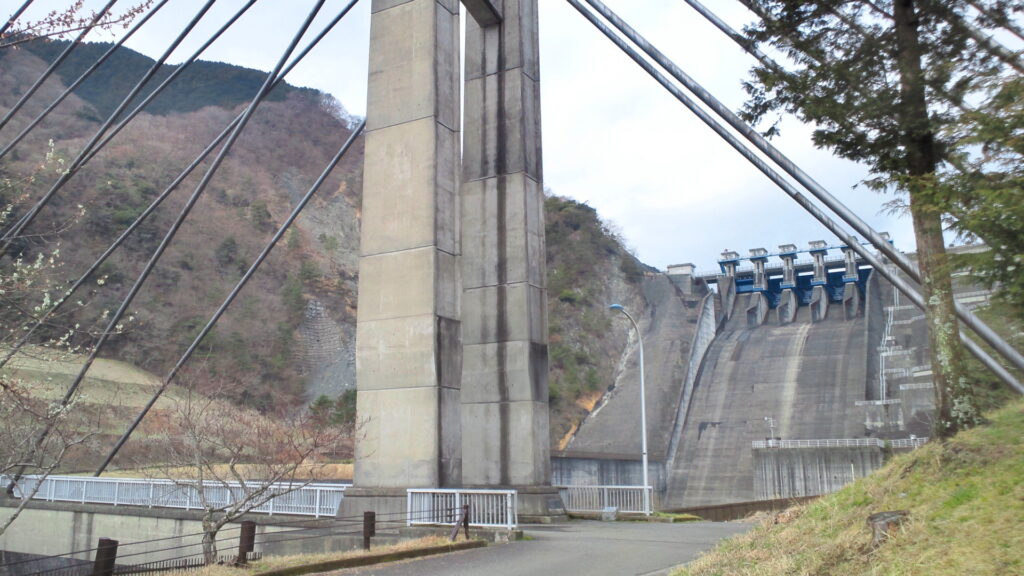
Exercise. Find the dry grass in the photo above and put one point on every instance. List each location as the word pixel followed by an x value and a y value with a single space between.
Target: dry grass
pixel 966 501
pixel 277 562
pixel 325 471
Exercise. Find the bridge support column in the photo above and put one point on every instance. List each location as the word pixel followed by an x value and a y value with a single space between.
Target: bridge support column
pixel 504 382
pixel 408 347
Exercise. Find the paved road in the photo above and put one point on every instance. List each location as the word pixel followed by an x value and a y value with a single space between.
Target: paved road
pixel 579 547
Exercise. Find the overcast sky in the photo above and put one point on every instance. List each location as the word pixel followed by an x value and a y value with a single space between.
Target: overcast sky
pixel 613 137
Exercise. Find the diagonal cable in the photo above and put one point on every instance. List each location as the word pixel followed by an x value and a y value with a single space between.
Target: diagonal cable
pixel 77 163
pixel 167 191
pixel 178 71
pixel 1001 20
pixel 234 293
pixel 53 66
pixel 10 21
pixel 82 78
pixel 774 176
pixel 185 211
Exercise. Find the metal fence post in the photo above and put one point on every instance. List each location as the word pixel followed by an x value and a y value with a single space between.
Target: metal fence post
pixel 408 507
pixel 106 555
pixel 246 542
pixel 369 528
pixel 316 509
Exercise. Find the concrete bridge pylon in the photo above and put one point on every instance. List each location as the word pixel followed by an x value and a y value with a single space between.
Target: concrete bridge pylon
pixel 451 344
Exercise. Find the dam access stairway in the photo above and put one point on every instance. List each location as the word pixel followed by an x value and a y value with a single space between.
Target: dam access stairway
pixel 800 375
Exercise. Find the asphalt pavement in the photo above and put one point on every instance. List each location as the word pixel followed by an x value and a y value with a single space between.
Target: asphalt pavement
pixel 583 547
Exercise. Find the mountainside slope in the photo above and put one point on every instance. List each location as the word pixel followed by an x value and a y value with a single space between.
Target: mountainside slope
pixel 277 158
pixel 290 336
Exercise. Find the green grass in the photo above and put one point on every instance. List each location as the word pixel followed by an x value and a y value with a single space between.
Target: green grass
pixel 966 503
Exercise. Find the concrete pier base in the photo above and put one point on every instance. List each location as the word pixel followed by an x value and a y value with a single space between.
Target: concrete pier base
pixel 788 307
pixel 852 301
pixel 819 304
pixel 757 309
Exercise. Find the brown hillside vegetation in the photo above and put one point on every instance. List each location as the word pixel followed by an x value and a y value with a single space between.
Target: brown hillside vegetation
pixel 260 340
pixel 965 499
pixel 278 157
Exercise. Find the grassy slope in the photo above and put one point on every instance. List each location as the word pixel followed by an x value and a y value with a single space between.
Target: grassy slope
pixel 966 501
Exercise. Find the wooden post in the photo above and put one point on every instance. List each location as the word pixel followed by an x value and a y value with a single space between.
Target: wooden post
pixel 369 528
pixel 246 542
pixel 106 555
pixel 462 522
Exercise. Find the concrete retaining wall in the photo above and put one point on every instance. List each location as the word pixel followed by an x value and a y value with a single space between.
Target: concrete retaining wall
pixel 796 472
pixel 571 471
pixel 52 531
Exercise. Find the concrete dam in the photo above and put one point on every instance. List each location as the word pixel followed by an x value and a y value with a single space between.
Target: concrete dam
pixel 778 376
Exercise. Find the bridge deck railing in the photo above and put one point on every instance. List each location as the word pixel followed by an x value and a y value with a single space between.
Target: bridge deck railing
pixel 487 508
pixel 628 499
pixel 296 498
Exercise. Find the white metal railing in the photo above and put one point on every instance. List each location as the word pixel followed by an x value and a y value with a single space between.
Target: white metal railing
pixel 487 508
pixel 831 443
pixel 290 498
pixel 909 442
pixel 888 402
pixel 840 443
pixel 596 498
pixel 917 386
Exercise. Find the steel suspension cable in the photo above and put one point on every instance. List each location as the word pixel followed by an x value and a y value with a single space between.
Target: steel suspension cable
pixel 1003 21
pixel 817 190
pixel 169 378
pixel 82 78
pixel 178 71
pixel 786 186
pixel 79 160
pixel 185 211
pixel 10 21
pixel 12 351
pixel 989 43
pixel 53 65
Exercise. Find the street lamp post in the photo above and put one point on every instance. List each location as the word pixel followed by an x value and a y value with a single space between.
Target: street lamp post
pixel 643 409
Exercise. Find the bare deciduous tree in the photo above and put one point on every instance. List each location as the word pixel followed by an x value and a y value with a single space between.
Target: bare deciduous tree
pixel 61 23
pixel 234 459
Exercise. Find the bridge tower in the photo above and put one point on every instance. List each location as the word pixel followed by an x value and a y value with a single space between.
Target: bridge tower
pixel 451 350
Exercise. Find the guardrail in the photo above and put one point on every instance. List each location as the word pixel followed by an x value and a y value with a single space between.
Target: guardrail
pixel 596 498
pixel 840 443
pixel 487 508
pixel 293 498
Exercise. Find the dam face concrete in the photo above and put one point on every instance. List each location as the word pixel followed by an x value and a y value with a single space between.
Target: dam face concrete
pixel 452 330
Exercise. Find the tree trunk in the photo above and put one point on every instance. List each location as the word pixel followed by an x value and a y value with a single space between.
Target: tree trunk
pixel 210 529
pixel 954 396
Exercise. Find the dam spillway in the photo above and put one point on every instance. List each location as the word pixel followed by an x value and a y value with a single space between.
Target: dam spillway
pixel 799 380
pixel 787 379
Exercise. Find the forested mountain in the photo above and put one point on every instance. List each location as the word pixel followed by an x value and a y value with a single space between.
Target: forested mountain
pixel 290 336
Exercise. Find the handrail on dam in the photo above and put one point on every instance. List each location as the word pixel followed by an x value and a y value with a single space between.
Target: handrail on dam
pixel 296 498
pixel 841 443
